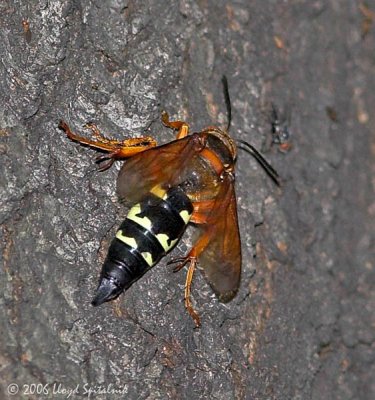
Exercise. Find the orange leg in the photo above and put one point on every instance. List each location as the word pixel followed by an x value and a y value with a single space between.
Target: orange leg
pixel 117 149
pixel 189 278
pixel 199 218
pixel 192 259
pixel 181 126
pixel 188 305
pixel 202 210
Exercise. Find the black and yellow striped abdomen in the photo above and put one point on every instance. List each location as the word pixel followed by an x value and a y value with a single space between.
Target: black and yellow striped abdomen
pixel 150 230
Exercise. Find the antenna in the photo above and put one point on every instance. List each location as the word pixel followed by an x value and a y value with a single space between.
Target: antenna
pixel 271 172
pixel 224 80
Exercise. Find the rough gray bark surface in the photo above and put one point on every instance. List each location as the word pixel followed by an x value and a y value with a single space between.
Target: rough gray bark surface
pixel 302 326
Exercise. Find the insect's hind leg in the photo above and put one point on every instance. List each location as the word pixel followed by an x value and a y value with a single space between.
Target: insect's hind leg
pixel 181 126
pixel 189 278
pixel 192 260
pixel 117 149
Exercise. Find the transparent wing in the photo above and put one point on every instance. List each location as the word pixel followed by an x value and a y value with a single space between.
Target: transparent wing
pixel 163 166
pixel 220 260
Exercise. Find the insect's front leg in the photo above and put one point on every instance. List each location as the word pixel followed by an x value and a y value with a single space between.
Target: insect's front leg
pixel 181 126
pixel 117 149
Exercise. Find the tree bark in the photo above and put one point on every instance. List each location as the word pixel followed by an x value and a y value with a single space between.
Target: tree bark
pixel 302 324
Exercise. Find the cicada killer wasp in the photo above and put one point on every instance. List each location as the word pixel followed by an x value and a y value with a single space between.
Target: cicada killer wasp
pixel 189 180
